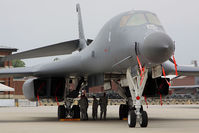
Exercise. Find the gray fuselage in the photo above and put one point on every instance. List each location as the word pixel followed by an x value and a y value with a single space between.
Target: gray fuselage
pixel 113 50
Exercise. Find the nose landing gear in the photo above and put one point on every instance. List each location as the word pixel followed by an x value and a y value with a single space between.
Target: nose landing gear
pixel 136 86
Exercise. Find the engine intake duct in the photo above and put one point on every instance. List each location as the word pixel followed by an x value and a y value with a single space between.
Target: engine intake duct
pixel 45 88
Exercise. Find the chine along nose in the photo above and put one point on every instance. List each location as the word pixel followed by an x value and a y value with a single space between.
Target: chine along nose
pixel 158 47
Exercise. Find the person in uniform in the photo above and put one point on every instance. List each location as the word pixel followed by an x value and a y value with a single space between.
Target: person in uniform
pixel 94 108
pixel 103 102
pixel 83 103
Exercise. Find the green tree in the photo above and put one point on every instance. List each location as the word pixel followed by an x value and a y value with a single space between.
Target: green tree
pixel 18 63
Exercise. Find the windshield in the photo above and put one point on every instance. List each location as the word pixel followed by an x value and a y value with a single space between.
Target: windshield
pixel 152 19
pixel 137 19
pixel 124 20
pixel 133 20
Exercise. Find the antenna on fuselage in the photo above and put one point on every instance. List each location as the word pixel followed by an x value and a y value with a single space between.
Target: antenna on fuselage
pixel 82 40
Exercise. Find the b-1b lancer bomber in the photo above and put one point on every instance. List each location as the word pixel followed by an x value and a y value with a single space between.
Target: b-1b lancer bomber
pixel 132 49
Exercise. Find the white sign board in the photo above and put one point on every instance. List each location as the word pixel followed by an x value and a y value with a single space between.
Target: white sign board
pixel 7 102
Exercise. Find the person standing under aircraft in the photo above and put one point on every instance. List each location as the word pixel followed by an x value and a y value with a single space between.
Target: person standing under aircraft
pixel 83 103
pixel 94 108
pixel 103 106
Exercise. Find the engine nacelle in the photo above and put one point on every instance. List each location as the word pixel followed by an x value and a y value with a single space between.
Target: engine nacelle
pixel 28 90
pixel 156 87
pixel 44 88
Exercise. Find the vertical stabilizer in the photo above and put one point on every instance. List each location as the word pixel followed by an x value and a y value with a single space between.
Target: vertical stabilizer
pixel 80 28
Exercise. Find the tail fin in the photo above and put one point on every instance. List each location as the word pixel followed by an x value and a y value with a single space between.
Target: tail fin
pixel 80 27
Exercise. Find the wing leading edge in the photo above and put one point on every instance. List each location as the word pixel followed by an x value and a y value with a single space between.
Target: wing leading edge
pixel 51 50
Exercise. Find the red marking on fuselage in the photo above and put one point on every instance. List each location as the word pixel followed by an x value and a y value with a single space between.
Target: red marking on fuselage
pixel 105 50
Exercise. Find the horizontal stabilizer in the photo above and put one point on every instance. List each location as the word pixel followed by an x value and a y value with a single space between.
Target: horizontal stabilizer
pixel 51 50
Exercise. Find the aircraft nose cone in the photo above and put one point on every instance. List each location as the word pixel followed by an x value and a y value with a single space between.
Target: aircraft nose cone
pixel 158 47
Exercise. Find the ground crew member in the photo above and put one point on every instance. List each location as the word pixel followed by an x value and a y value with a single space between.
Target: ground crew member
pixel 103 102
pixel 83 103
pixel 94 108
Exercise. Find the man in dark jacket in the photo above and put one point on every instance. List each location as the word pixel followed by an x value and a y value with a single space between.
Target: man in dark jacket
pixel 103 102
pixel 83 103
pixel 94 108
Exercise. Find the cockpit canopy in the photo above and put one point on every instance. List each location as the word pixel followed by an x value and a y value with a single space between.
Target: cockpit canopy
pixel 139 19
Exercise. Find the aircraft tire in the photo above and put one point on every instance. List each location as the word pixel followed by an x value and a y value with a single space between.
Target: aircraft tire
pixel 132 118
pixel 75 112
pixel 123 111
pixel 61 112
pixel 144 119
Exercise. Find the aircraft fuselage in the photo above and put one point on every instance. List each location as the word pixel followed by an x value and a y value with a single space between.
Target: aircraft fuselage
pixel 116 47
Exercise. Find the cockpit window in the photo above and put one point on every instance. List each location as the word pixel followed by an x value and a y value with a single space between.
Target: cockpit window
pixel 124 20
pixel 152 19
pixel 136 19
pixel 133 20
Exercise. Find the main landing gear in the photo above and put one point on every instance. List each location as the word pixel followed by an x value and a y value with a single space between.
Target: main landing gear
pixel 65 111
pixel 137 83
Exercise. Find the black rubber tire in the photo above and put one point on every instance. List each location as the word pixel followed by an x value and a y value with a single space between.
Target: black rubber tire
pixel 144 120
pixel 123 111
pixel 75 112
pixel 132 118
pixel 61 112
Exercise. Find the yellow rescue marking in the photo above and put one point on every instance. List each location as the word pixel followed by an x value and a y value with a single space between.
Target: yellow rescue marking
pixel 69 119
pixel 125 119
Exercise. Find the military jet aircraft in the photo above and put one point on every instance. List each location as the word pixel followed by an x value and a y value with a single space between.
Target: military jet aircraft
pixel 132 49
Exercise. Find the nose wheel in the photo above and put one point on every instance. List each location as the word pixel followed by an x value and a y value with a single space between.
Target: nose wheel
pixel 143 119
pixel 132 119
pixel 136 86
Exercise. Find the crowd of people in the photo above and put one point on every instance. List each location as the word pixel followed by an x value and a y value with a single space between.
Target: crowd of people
pixel 102 102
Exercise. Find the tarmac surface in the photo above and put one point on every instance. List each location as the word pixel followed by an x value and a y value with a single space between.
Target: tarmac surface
pixel 162 119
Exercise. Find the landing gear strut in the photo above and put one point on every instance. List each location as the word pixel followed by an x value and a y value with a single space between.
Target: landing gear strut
pixel 136 86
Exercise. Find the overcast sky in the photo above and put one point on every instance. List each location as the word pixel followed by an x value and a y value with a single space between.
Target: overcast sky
pixel 27 24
